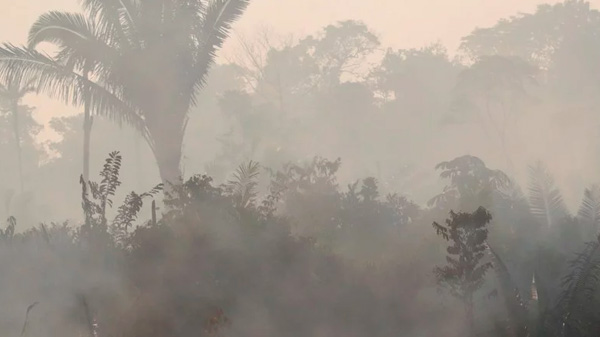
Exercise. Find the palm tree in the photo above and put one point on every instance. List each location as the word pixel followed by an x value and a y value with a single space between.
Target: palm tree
pixel 142 62
pixel 12 93
pixel 87 132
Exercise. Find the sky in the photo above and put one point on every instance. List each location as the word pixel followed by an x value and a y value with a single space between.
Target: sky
pixel 398 23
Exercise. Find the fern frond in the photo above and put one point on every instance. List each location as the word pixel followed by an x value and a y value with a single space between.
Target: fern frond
pixel 129 210
pixel 216 24
pixel 243 185
pixel 576 306
pixel 115 18
pixel 110 178
pixel 545 200
pixel 81 45
pixel 589 211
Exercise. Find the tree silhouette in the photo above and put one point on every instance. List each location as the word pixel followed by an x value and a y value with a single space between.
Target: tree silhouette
pixel 493 89
pixel 471 182
pixel 12 92
pixel 149 61
pixel 418 81
pixel 464 274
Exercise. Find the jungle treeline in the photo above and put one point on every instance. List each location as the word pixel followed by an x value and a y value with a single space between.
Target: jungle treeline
pixel 322 185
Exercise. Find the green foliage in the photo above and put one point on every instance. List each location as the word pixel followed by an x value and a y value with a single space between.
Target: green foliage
pixel 545 199
pixel 407 74
pixel 232 256
pixel 467 234
pixel 465 272
pixel 97 198
pixel 243 185
pixel 128 212
pixel 101 194
pixel 589 211
pixel 577 308
pixel 207 252
pixel 471 182
pixel 111 57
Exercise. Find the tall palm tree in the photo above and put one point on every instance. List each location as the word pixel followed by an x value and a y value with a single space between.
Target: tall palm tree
pixel 142 62
pixel 12 93
pixel 87 131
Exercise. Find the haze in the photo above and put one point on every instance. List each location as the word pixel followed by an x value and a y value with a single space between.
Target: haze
pixel 299 168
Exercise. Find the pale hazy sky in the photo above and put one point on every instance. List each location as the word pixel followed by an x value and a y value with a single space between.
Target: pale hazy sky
pixel 399 23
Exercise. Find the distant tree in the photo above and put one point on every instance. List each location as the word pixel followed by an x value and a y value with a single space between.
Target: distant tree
pixel 342 50
pixel 416 80
pixel 12 93
pixel 471 182
pixel 534 37
pixel 493 90
pixel 561 39
pixel 309 194
pixel 318 63
pixel 465 272
pixel 370 223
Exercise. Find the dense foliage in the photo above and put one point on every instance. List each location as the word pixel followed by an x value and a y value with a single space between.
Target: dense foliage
pixel 278 237
pixel 302 257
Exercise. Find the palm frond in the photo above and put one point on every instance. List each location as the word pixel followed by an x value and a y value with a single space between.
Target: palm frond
pixel 50 77
pixel 76 37
pixel 576 306
pixel 219 16
pixel 243 185
pixel 114 17
pixel 589 211
pixel 545 200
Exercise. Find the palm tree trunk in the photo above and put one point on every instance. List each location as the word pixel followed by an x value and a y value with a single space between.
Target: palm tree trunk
pixel 167 143
pixel 87 132
pixel 15 109
pixel 168 159
pixel 138 163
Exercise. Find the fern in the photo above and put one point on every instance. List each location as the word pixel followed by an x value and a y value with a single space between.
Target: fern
pixel 110 179
pixel 243 185
pixel 576 307
pixel 101 194
pixel 545 200
pixel 129 210
pixel 96 197
pixel 589 211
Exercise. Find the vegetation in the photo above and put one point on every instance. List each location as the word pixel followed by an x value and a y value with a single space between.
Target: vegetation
pixel 108 60
pixel 326 159
pixel 465 272
pixel 209 263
